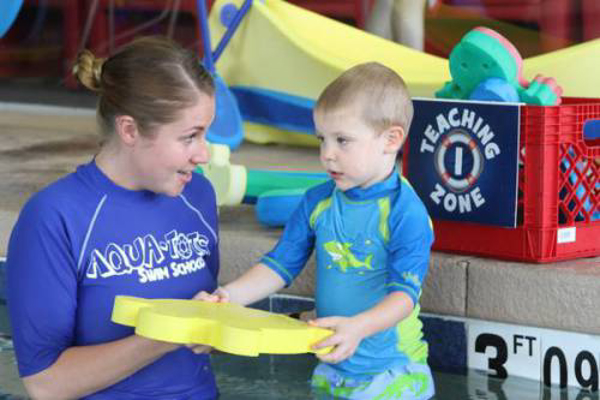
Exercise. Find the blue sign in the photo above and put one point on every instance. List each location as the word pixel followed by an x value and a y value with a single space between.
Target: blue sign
pixel 463 160
pixel 591 129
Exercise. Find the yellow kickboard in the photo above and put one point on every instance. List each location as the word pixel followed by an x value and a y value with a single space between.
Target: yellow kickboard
pixel 227 327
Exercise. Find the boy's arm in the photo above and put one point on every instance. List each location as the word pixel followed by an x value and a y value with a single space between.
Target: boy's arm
pixel 281 265
pixel 392 309
pixel 349 331
pixel 255 284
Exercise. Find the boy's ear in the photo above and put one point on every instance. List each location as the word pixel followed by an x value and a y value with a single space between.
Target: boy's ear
pixel 395 138
pixel 126 128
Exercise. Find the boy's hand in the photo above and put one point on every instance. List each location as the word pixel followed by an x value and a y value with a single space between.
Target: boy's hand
pixel 345 340
pixel 221 295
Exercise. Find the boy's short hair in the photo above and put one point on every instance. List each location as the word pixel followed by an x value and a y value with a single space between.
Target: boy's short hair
pixel 379 92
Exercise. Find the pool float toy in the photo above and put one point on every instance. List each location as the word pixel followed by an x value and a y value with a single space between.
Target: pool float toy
pixel 486 66
pixel 275 193
pixel 495 89
pixel 9 9
pixel 227 327
pixel 228 180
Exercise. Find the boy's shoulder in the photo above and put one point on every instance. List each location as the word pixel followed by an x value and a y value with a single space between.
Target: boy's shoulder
pixel 408 197
pixel 409 209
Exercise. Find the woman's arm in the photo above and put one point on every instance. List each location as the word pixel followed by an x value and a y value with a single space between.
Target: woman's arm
pixel 79 371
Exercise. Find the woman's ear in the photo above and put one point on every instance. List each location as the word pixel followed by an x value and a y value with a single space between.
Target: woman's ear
pixel 395 138
pixel 127 129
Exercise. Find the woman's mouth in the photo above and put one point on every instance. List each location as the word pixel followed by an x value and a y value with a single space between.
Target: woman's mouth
pixel 185 175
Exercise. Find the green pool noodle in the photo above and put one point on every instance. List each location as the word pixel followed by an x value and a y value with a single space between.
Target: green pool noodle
pixel 259 182
pixel 235 184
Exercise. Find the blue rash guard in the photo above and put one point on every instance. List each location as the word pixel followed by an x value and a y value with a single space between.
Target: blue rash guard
pixel 83 240
pixel 369 243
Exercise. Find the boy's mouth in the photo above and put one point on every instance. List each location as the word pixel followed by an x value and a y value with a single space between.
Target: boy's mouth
pixel 334 174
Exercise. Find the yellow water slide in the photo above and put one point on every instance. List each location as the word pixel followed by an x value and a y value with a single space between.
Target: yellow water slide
pixel 283 48
pixel 286 48
pixel 574 68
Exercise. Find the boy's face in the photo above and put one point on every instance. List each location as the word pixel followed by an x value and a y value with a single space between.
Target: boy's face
pixel 353 153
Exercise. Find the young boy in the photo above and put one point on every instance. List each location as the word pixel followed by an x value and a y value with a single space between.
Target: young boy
pixel 372 237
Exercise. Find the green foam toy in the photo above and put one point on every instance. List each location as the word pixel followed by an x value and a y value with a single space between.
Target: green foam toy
pixel 484 54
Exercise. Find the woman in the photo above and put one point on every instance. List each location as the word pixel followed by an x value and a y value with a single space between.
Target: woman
pixel 133 221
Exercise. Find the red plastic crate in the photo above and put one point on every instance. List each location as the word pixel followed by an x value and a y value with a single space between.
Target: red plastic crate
pixel 559 190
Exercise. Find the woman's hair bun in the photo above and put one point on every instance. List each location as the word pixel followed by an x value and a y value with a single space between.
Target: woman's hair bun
pixel 88 70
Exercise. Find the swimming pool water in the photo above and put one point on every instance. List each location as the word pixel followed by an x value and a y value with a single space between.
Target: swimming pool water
pixel 287 378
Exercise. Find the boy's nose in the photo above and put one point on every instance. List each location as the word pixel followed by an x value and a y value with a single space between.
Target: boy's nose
pixel 327 153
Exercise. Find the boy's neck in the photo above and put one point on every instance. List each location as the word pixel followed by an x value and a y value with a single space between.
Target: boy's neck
pixel 385 178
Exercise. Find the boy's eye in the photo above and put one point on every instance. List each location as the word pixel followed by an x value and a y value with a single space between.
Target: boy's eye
pixel 342 140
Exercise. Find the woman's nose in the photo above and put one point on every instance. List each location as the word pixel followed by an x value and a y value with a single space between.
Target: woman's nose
pixel 201 153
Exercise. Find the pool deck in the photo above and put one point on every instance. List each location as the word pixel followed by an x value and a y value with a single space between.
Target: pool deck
pixel 38 146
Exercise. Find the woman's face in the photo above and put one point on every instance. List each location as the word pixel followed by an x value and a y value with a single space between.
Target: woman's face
pixel 164 162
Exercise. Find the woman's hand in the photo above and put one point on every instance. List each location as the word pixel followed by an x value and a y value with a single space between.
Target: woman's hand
pixel 218 296
pixel 199 348
pixel 221 295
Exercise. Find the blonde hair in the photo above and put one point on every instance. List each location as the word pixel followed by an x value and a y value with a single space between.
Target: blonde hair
pixel 150 79
pixel 378 92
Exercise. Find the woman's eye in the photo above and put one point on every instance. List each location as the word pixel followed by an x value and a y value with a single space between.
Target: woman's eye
pixel 190 138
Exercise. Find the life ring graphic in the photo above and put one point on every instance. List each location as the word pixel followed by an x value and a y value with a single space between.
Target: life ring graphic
pixel 458 181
